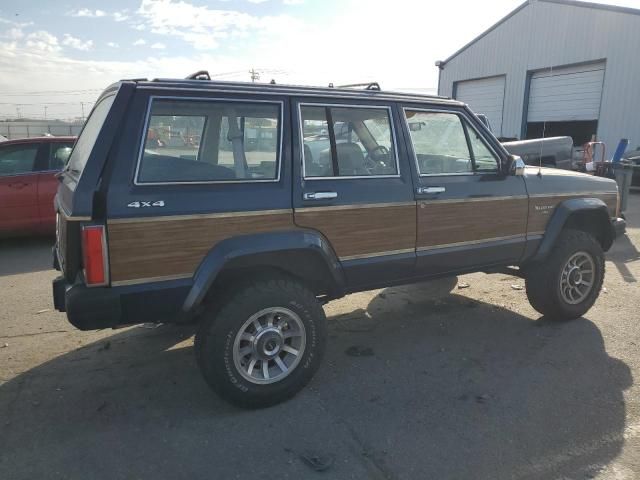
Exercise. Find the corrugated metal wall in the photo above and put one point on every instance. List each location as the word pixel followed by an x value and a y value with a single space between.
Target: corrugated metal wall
pixel 544 35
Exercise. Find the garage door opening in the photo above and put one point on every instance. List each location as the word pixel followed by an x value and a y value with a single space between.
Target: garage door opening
pixel 580 130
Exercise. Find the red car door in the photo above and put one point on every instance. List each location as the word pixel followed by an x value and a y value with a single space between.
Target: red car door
pixel 18 189
pixel 56 159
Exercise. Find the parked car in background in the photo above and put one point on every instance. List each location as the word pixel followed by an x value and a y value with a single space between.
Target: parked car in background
pixel 28 183
pixel 556 152
pixel 634 157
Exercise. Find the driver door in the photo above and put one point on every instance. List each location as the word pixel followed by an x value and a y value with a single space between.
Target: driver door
pixel 353 184
pixel 470 215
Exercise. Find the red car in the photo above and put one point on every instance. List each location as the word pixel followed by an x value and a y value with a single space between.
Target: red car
pixel 28 183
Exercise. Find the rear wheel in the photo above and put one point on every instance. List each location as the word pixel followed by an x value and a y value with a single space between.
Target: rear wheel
pixel 264 344
pixel 568 282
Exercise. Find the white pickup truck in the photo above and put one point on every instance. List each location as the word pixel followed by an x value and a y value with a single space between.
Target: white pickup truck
pixel 549 152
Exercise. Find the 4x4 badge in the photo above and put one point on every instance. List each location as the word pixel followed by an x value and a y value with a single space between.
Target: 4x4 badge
pixel 157 203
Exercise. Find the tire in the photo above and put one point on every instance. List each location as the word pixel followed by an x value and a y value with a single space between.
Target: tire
pixel 544 281
pixel 298 323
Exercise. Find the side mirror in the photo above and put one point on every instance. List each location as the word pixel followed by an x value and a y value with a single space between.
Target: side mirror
pixel 514 166
pixel 519 166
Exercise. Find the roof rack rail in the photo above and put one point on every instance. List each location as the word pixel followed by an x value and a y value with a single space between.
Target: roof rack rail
pixel 199 75
pixel 367 86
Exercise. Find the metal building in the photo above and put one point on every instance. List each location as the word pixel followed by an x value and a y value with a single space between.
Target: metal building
pixel 562 66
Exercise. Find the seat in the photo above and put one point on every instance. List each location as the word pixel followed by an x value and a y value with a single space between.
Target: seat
pixel 351 160
pixel 320 167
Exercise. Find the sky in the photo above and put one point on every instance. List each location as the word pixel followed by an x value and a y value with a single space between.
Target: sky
pixel 57 56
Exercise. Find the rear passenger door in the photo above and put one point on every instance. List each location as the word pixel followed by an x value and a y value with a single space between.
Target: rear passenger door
pixel 470 214
pixel 352 183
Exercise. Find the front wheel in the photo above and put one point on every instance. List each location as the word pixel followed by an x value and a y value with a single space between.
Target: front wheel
pixel 264 344
pixel 566 285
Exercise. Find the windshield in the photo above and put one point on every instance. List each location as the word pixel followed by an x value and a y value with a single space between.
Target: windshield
pixel 88 136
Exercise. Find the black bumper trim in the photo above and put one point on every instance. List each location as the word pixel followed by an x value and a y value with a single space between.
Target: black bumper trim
pixel 107 307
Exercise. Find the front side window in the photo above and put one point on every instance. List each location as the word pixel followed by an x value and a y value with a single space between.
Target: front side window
pixel 347 142
pixel 210 141
pixel 484 159
pixel 17 159
pixel 445 144
pixel 439 143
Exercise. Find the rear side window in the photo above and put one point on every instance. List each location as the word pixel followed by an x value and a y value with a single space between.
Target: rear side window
pixel 210 141
pixel 17 159
pixel 347 142
pixel 88 136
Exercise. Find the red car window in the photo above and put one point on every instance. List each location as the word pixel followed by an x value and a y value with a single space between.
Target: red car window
pixel 59 155
pixel 17 159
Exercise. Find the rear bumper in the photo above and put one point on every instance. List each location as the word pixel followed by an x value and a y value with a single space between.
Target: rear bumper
pixel 108 307
pixel 619 226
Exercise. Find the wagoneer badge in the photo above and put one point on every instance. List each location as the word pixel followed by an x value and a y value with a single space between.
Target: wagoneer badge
pixel 544 208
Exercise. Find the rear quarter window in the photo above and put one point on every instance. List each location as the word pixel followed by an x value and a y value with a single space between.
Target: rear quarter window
pixel 200 141
pixel 88 136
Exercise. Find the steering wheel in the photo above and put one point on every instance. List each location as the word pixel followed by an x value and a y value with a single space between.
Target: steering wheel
pixel 374 157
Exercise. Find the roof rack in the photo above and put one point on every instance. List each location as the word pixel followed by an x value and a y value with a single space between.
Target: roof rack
pixel 199 75
pixel 367 86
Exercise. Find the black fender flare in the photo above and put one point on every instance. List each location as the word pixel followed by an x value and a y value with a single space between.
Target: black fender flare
pixel 263 245
pixel 561 216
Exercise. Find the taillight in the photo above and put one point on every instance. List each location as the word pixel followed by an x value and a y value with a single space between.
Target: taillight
pixel 94 255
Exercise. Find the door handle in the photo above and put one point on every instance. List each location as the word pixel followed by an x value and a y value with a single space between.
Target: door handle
pixel 423 190
pixel 18 185
pixel 320 195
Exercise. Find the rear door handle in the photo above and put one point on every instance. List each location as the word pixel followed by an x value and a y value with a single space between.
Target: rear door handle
pixel 18 185
pixel 320 195
pixel 423 190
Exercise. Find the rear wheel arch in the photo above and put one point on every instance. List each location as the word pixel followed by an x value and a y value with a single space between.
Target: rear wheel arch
pixel 302 255
pixel 304 265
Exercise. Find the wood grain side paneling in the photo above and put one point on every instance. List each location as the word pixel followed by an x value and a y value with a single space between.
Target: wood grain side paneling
pixel 442 223
pixel 362 231
pixel 172 247
pixel 541 208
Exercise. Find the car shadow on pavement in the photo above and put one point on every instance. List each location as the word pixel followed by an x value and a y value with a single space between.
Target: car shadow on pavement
pixel 411 387
pixel 25 255
pixel 623 251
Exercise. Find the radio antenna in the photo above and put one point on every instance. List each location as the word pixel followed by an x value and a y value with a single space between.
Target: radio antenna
pixel 544 130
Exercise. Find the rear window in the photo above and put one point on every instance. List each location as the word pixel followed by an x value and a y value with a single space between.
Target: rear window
pixel 88 136
pixel 210 141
